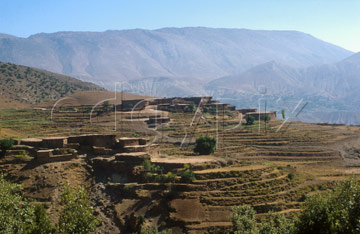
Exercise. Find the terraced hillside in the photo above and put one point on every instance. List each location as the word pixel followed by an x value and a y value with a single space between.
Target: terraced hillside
pixel 265 166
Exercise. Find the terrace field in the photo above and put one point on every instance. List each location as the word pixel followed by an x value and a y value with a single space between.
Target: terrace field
pixel 267 167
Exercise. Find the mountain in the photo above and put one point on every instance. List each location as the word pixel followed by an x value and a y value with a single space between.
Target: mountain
pixel 202 53
pixel 331 90
pixel 21 84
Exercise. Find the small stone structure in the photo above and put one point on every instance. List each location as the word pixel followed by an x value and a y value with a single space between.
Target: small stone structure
pixel 157 120
pixel 66 148
pixel 47 155
pixel 54 142
pixel 244 111
pixel 262 115
pixel 134 104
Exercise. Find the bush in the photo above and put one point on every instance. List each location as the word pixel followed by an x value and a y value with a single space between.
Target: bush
pixel 187 176
pixel 267 118
pixel 329 212
pixel 191 107
pixel 335 211
pixel 6 144
pixel 77 215
pixel 250 120
pixel 243 219
pixel 205 145
pixel 18 215
pixel 276 224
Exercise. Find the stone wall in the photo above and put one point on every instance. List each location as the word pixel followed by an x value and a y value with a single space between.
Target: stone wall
pixel 54 142
pixel 98 140
pixel 244 111
pixel 262 115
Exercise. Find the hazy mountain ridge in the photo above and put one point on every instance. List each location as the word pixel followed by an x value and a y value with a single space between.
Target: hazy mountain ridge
pixel 204 53
pixel 329 88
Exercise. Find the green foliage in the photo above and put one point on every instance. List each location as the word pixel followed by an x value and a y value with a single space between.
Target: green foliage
pixel 77 215
pixel 42 220
pixel 243 220
pixel 6 144
pixel 250 120
pixel 187 176
pixel 106 106
pixel 154 173
pixel 154 230
pixel 205 145
pixel 291 176
pixel 283 113
pixel 18 215
pixel 335 211
pixel 149 167
pixel 267 118
pixel 191 107
pixel 276 224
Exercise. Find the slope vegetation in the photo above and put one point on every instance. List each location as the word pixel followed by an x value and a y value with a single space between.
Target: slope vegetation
pixel 29 85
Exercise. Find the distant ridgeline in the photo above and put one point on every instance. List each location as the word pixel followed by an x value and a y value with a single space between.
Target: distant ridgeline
pixel 30 85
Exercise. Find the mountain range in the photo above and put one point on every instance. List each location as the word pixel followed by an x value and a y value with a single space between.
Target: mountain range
pixel 235 65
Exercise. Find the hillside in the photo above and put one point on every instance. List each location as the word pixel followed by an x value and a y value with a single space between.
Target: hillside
pixel 86 98
pixel 266 169
pixel 29 85
pixel 202 53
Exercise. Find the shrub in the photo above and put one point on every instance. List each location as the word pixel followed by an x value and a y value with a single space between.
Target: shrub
pixel 191 107
pixel 6 144
pixel 243 219
pixel 187 176
pixel 18 215
pixel 77 215
pixel 267 118
pixel 335 211
pixel 250 120
pixel 205 145
pixel 276 224
pixel 170 177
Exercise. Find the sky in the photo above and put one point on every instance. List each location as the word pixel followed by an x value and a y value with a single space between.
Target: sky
pixel 334 21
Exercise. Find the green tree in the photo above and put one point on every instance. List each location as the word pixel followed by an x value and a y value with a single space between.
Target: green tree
pixel 283 113
pixel 205 145
pixel 191 107
pixel 187 176
pixel 267 118
pixel 250 120
pixel 243 220
pixel 77 215
pixel 6 144
pixel 106 106
pixel 18 215
pixel 276 224
pixel 335 211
